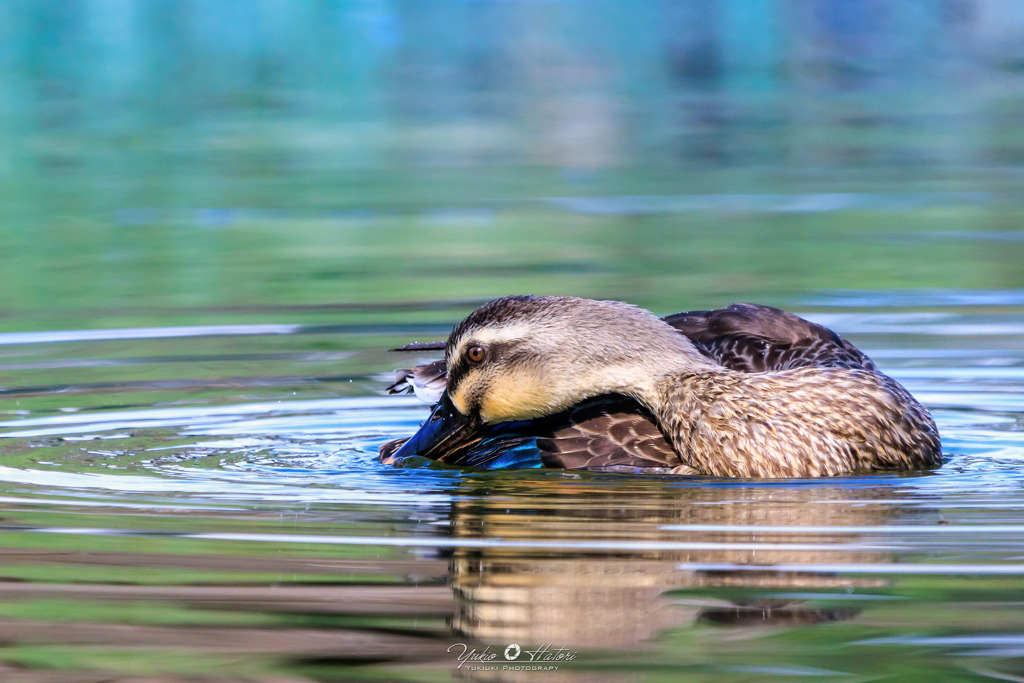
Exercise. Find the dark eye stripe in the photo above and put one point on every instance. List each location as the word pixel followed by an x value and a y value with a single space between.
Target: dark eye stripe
pixel 460 365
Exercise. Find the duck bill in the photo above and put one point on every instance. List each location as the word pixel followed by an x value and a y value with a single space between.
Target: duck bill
pixel 445 436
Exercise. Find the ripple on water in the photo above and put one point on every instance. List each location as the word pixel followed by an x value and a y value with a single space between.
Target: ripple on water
pixel 912 565
pixel 325 449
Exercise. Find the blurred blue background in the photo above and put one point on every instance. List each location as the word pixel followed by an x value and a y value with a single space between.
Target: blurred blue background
pixel 161 158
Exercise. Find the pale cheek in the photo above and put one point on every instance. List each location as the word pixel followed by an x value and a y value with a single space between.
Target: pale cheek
pixel 459 401
pixel 521 398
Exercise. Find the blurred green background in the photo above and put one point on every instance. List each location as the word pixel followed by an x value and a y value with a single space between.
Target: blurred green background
pixel 177 161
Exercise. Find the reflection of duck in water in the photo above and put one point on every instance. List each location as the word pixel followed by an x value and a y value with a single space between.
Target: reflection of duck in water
pixel 746 391
pixel 611 558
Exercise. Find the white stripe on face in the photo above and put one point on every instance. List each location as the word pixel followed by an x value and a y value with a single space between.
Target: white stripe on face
pixel 490 335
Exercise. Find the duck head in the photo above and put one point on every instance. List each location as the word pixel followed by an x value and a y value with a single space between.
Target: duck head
pixel 526 357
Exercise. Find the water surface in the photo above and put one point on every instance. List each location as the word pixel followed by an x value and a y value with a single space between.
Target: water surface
pixel 194 506
pixel 216 217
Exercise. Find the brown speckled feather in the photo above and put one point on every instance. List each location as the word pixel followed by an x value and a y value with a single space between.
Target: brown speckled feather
pixel 751 425
pixel 756 338
pixel 606 433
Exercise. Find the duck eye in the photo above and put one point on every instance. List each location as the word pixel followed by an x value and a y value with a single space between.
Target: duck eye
pixel 476 354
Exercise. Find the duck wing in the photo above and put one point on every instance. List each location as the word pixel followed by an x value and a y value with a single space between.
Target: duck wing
pixel 755 338
pixel 610 433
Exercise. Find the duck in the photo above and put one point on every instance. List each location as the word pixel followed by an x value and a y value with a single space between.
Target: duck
pixel 747 391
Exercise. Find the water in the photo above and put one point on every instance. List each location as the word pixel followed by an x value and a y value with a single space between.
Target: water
pixel 205 512
pixel 216 217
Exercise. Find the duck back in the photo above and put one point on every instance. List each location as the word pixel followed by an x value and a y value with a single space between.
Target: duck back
pixel 755 338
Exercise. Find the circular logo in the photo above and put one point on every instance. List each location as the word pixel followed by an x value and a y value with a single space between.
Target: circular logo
pixel 512 652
